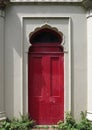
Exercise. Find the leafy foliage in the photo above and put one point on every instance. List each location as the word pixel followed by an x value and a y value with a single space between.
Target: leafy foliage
pixel 68 124
pixel 71 124
pixel 84 123
pixel 23 123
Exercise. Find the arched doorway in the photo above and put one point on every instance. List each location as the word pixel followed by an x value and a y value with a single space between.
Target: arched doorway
pixel 46 77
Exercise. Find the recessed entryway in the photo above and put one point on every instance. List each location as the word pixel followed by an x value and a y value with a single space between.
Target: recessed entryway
pixel 46 77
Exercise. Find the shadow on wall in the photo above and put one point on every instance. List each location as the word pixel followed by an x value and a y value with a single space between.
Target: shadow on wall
pixel 13 63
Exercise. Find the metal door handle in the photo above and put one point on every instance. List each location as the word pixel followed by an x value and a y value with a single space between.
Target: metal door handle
pixel 52 101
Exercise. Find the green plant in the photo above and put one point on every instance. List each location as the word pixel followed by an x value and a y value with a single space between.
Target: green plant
pixel 23 123
pixel 84 123
pixel 71 124
pixel 5 125
pixel 68 124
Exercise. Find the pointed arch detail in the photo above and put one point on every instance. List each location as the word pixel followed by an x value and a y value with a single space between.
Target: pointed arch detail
pixel 46 33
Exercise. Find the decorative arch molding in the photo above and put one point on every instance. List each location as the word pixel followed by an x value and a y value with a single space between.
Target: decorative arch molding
pixel 46 26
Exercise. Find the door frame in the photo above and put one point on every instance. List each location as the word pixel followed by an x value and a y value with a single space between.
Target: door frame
pixel 67 63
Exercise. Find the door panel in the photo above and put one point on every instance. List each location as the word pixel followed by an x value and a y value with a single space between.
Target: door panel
pixel 56 98
pixel 46 87
pixel 55 76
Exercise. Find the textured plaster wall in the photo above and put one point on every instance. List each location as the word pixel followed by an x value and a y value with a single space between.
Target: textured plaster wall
pixel 1 62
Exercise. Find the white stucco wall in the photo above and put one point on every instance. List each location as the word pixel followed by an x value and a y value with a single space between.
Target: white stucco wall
pixel 2 108
pixel 14 53
pixel 89 65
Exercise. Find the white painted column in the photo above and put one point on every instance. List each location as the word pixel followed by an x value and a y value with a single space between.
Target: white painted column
pixel 89 65
pixel 2 106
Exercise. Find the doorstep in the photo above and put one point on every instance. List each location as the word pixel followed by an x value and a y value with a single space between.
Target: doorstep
pixel 45 127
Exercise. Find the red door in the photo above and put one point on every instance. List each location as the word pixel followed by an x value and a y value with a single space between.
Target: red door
pixel 46 84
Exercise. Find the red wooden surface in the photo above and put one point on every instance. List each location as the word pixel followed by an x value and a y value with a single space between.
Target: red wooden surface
pixel 46 84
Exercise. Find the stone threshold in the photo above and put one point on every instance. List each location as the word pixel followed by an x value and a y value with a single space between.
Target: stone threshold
pixel 45 127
